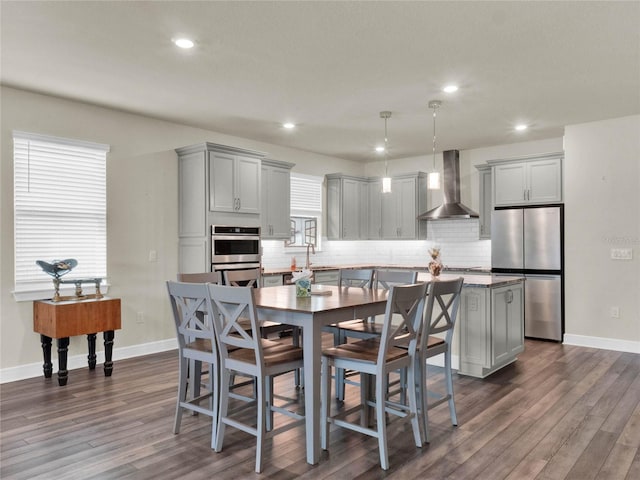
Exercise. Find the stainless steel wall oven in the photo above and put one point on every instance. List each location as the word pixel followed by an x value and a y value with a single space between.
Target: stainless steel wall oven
pixel 235 248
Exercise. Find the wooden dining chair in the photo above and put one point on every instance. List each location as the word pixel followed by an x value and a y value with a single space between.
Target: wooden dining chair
pixel 245 351
pixel 196 344
pixel 443 300
pixel 253 278
pixel 376 358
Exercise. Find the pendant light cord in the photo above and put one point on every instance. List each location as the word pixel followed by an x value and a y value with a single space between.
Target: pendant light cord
pixel 434 137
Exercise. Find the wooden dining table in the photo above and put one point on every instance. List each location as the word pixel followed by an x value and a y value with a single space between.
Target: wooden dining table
pixel 326 305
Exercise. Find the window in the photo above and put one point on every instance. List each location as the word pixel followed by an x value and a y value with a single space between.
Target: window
pixel 306 210
pixel 59 208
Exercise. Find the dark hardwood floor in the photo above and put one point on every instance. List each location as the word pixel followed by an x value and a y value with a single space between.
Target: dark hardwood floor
pixel 559 412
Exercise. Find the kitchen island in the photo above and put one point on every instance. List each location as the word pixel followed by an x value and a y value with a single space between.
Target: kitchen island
pixel 489 333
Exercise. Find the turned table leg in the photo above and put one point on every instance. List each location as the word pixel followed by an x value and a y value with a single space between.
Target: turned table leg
pixel 108 352
pixel 63 348
pixel 91 342
pixel 47 367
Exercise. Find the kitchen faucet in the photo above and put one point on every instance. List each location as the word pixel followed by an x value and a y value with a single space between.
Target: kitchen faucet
pixel 313 249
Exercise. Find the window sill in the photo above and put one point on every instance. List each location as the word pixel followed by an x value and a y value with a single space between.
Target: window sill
pixel 42 292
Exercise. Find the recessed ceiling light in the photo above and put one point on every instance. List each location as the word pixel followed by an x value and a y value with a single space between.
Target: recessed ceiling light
pixel 289 125
pixel 521 127
pixel 380 149
pixel 450 88
pixel 183 43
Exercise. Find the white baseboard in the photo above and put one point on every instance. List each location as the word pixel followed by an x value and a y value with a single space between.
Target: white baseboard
pixel 32 370
pixel 602 343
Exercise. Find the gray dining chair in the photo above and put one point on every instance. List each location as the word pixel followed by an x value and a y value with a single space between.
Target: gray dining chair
pixel 196 343
pixel 245 351
pixel 375 359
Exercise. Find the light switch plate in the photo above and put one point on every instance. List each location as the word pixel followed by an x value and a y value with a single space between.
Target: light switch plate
pixel 622 254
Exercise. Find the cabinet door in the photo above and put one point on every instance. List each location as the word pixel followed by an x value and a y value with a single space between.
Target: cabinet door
pixel 375 210
pixel 515 326
pixel 272 280
pixel 406 209
pixel 247 184
pixel 192 195
pixel 475 331
pixel 507 323
pixel 390 213
pixel 222 196
pixel 276 202
pixel 545 181
pixel 350 209
pixel 485 203
pixel 510 182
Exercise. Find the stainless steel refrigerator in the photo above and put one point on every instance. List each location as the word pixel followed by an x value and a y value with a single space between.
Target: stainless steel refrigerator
pixel 529 241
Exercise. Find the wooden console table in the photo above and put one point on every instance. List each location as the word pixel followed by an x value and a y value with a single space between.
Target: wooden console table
pixel 61 320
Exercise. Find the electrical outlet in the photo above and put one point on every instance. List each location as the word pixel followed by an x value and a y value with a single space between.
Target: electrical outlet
pixel 622 254
pixel 140 317
pixel 615 312
pixel 153 256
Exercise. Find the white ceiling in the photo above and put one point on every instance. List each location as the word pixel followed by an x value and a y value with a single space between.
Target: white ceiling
pixel 333 66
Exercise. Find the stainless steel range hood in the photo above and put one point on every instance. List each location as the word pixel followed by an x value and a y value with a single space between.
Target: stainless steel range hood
pixel 452 207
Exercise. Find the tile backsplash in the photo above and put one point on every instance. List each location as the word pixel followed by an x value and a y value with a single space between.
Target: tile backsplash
pixel 457 239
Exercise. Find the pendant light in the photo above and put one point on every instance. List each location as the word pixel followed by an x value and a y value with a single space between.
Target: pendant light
pixel 434 177
pixel 386 180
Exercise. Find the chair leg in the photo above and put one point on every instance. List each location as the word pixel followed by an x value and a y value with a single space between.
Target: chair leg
pixel 325 402
pixel 182 393
pixel 215 402
pixel 260 427
pixel 365 396
pixel 297 333
pixel 413 405
pixel 449 380
pixel 224 407
pixel 424 398
pixel 269 399
pixel 382 424
pixel 338 339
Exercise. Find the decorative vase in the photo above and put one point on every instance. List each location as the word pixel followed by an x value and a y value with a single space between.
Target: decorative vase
pixel 435 265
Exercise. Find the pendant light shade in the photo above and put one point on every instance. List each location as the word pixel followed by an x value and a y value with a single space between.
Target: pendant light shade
pixel 386 180
pixel 434 177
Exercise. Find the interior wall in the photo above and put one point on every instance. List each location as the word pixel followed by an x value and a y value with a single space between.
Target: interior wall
pixel 602 211
pixel 142 214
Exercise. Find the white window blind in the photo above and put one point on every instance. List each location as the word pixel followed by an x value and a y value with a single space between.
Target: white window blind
pixel 306 193
pixel 59 207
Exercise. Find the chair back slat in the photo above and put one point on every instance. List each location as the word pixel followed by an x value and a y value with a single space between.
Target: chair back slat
pixel 405 302
pixel 356 277
pixel 230 306
pixel 443 301
pixel 385 279
pixel 189 307
pixel 242 278
pixel 204 277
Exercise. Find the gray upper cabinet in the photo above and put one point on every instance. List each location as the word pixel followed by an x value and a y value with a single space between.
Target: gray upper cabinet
pixel 486 200
pixel 357 209
pixel 401 207
pixel 216 184
pixel 276 199
pixel 530 180
pixel 234 181
pixel 347 207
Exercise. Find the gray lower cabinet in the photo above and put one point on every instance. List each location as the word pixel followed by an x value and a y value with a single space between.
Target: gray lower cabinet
pixel 272 280
pixel 325 277
pixel 491 328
